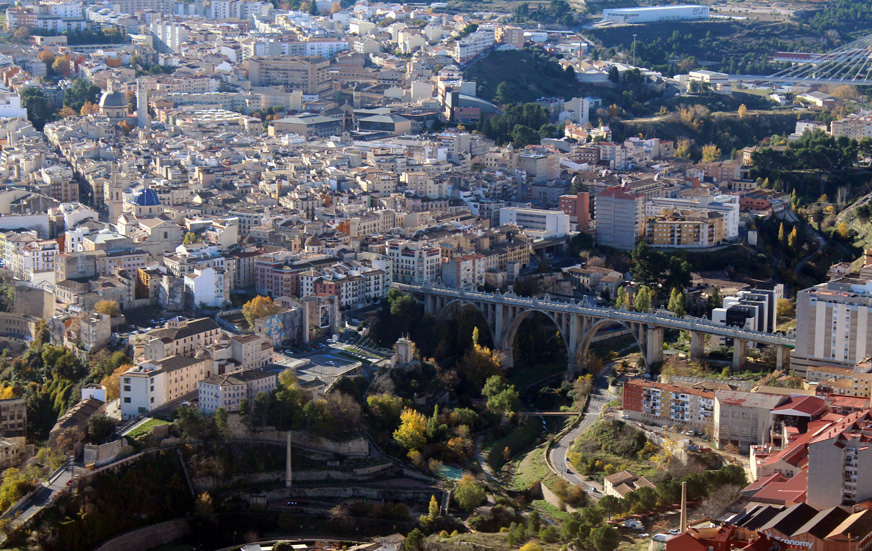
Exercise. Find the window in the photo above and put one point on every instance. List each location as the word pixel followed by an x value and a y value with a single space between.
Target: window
pixel 126 388
pixel 127 400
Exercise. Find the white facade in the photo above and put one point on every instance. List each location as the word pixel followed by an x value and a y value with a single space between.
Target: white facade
pixel 467 48
pixel 415 262
pixel 151 384
pixel 544 224
pixel 10 106
pixel 656 13
pixel 206 287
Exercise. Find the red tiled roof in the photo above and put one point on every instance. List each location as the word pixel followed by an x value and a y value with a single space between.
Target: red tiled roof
pixel 808 405
pixel 792 490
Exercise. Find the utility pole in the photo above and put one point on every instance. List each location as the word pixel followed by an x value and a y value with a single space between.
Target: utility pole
pixel 634 49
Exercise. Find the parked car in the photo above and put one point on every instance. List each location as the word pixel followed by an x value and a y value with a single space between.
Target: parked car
pixel 674 532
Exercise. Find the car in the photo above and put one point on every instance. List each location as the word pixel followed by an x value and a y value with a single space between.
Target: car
pixel 644 535
pixel 674 532
pixel 568 470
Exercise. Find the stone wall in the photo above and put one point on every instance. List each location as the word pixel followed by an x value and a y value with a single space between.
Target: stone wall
pixel 104 453
pixel 148 537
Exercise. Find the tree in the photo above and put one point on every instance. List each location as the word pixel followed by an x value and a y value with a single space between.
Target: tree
pixel 503 93
pixel 99 428
pixel 414 539
pixel 108 307
pixel 47 57
pixel 792 240
pixel 532 546
pixel 676 302
pixel 469 494
pixel 433 509
pixel 842 230
pixel 743 111
pixel 411 434
pixel 38 110
pixel 781 234
pixel 501 397
pixel 711 153
pixel 784 308
pixel 112 382
pixel 191 238
pixel 610 505
pixel 21 35
pixel 642 302
pixel 222 422
pixel 523 135
pixel 89 108
pixel 203 506
pixel 259 307
pixel 61 66
pixel 604 538
pixel 683 148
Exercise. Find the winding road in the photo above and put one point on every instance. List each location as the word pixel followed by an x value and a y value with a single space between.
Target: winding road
pixel 598 399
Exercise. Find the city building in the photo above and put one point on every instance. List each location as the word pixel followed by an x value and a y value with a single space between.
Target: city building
pixel 618 218
pixel 654 14
pixel 743 419
pixel 537 223
pixel 667 404
pixel 678 229
pixel 309 74
pixel 153 383
pixel 227 391
pixel 832 324
pixel 577 207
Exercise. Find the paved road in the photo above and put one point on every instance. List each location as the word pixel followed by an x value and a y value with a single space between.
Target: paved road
pixel 40 498
pixel 599 398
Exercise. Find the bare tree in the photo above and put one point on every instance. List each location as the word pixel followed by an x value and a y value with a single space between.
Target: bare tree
pixel 719 500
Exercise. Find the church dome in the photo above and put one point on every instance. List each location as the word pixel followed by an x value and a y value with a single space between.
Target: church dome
pixel 146 198
pixel 113 99
pixel 312 241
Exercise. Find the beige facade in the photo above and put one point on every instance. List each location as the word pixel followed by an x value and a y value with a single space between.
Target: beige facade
pixel 309 74
pixel 743 418
pixel 181 337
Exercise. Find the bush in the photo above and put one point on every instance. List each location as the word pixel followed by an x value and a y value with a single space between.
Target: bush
pixel 469 493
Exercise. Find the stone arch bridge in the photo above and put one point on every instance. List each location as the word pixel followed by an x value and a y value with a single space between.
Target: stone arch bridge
pixel 579 324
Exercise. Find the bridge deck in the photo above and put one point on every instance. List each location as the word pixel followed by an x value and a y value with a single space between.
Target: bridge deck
pixel 660 318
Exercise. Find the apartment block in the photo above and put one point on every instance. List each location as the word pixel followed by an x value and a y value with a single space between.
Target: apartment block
pixel 577 207
pixel 181 337
pixel 667 404
pixel 13 417
pixel 309 74
pixel 228 391
pixel 153 383
pixel 618 218
pixel 681 229
pixel 833 324
pixel 415 262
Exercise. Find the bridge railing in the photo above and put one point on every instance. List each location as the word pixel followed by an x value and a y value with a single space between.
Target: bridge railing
pixel 663 318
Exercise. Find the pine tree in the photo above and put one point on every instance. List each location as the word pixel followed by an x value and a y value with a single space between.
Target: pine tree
pixel 781 234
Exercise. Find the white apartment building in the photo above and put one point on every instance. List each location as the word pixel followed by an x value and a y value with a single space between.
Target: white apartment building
pixel 537 223
pixel 227 391
pixel 469 47
pixel 153 383
pixel 415 262
pixel 35 262
pixel 207 287
pixel 833 324
pixel 10 106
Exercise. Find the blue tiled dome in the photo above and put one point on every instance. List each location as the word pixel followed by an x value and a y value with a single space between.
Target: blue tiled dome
pixel 146 198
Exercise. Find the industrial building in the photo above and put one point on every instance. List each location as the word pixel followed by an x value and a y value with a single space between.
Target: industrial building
pixel 654 14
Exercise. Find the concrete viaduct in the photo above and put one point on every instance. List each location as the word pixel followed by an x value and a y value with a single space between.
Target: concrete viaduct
pixel 579 324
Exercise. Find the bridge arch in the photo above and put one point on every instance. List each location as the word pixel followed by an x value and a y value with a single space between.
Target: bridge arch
pixel 579 355
pixel 456 305
pixel 506 346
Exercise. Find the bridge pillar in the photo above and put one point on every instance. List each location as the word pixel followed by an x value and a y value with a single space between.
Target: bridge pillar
pixel 499 324
pixel 654 345
pixel 740 353
pixel 507 356
pixel 782 357
pixel 697 346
